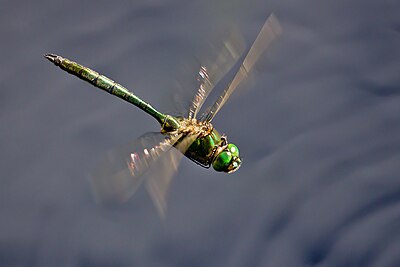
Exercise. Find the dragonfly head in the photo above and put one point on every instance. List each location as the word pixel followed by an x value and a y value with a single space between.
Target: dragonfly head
pixel 227 160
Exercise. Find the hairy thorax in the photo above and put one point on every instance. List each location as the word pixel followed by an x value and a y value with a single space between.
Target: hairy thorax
pixel 193 126
pixel 207 140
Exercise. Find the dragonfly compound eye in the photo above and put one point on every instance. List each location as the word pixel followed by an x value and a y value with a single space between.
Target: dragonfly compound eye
pixel 234 150
pixel 222 161
pixel 228 160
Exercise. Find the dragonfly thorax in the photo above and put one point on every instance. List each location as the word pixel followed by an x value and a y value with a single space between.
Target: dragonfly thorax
pixel 195 127
pixel 209 147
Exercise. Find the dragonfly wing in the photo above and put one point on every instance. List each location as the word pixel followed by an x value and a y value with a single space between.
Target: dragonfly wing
pixel 122 171
pixel 159 179
pixel 268 33
pixel 222 58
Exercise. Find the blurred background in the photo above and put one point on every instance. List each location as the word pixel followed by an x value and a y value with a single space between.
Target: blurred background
pixel 318 127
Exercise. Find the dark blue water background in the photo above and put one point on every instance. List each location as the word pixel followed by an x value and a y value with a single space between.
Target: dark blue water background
pixel 319 129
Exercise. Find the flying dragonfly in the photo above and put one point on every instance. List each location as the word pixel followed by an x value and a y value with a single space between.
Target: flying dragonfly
pixel 154 157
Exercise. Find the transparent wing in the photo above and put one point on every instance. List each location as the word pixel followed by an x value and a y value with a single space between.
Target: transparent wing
pixel 268 33
pixel 159 177
pixel 150 158
pixel 122 171
pixel 211 72
pixel 214 57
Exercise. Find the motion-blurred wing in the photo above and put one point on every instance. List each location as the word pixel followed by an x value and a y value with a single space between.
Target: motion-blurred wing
pixel 268 33
pixel 122 171
pixel 159 176
pixel 222 57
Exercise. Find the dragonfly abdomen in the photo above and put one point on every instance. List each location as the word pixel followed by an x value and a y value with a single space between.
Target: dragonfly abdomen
pixel 106 84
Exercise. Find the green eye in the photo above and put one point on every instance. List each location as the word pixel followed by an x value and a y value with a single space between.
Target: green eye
pixel 222 161
pixel 234 150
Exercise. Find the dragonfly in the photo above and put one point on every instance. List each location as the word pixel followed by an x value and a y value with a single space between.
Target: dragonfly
pixel 155 157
